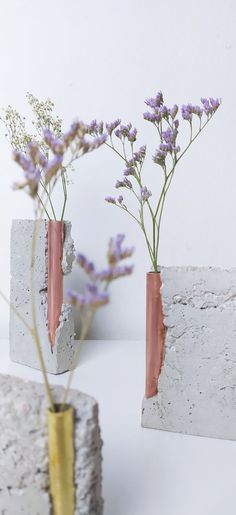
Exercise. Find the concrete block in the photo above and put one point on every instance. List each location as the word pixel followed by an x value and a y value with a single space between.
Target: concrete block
pixel 22 346
pixel 197 384
pixel 24 481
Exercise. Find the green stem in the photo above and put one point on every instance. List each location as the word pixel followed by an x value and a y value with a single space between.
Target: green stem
pixel 49 198
pixel 65 194
pixel 43 206
pixel 160 216
pixel 116 151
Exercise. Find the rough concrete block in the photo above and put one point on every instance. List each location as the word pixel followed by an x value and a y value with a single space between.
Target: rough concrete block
pixel 24 481
pixel 22 346
pixel 197 384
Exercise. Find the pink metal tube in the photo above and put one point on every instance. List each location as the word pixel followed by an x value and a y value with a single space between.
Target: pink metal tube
pixel 155 333
pixel 55 276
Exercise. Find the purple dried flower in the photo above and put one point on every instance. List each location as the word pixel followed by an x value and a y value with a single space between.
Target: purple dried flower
pixel 84 263
pixel 77 129
pixel 94 127
pixel 169 136
pixel 22 160
pixel 52 167
pixel 156 101
pixel 132 136
pixel 197 110
pixel 176 149
pixel 187 112
pixel 128 184
pixel 164 147
pixel 164 111
pixel 110 127
pixel 91 298
pixel 159 157
pixel 35 154
pixel 123 131
pixel 215 103
pixel 55 144
pixel 210 105
pixel 173 111
pixel 120 184
pixel 110 200
pixel 32 173
pixel 115 251
pixel 124 184
pixel 145 194
pixel 152 117
pixel 129 171
pixel 140 155
pixel 97 142
pixel 120 199
pixel 130 163
pixel 115 272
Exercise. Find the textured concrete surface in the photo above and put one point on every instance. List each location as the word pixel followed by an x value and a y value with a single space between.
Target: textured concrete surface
pixel 24 482
pixel 197 384
pixel 22 346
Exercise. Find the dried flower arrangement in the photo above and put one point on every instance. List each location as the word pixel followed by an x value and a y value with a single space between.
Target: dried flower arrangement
pixel 121 139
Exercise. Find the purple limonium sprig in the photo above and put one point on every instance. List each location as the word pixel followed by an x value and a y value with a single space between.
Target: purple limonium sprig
pixel 114 272
pixel 92 297
pixel 145 194
pixel 43 170
pixel 168 122
pixel 32 173
pixel 96 292
pixel 116 251
pixel 87 265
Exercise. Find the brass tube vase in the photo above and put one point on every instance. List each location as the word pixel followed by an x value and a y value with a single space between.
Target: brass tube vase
pixel 61 460
pixel 155 332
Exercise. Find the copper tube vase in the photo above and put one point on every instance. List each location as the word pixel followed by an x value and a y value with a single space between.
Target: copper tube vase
pixel 155 332
pixel 61 456
pixel 55 276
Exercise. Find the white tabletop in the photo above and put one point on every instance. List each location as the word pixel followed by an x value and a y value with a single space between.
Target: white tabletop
pixel 146 472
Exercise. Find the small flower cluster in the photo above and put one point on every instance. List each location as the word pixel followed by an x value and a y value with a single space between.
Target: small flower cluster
pixel 116 252
pixel 94 297
pixel 91 297
pixel 161 113
pixel 209 107
pixel 37 166
pixel 19 135
pixel 87 265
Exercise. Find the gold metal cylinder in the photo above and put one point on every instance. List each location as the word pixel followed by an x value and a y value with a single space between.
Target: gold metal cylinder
pixel 61 460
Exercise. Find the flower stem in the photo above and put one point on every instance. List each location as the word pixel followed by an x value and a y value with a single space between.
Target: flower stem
pixel 65 194
pixel 49 199
pixel 34 317
pixel 43 206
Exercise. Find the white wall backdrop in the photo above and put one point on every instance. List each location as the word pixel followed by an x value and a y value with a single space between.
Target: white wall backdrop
pixel 102 59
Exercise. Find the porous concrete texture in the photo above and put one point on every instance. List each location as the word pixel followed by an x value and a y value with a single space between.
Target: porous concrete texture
pixel 22 345
pixel 197 384
pixel 24 480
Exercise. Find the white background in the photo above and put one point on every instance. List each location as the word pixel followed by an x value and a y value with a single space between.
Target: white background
pixel 102 59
